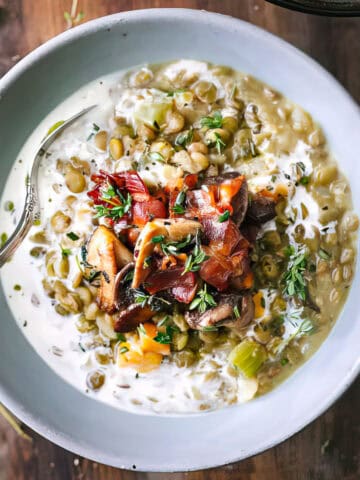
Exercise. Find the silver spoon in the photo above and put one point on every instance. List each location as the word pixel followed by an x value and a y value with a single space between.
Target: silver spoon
pixel 31 211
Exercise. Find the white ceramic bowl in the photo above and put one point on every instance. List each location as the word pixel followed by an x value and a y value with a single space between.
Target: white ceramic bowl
pixel 63 414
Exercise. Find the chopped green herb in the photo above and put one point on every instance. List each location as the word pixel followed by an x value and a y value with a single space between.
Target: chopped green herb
pixel 156 157
pixel 203 300
pixel 166 338
pixel 224 216
pixel 184 138
pixel 236 311
pixel 196 258
pixel 17 287
pixel 284 361
pixel 289 250
pixel 65 252
pixel 262 302
pixel 129 276
pixel 115 212
pixel 9 206
pixel 219 143
pixel 81 347
pixel 154 302
pixel 156 125
pixel 293 278
pixel 216 121
pixel 3 239
pixel 304 180
pixel 178 206
pixel 123 349
pixel 158 239
pixel 121 337
pixel 72 236
pixel 147 261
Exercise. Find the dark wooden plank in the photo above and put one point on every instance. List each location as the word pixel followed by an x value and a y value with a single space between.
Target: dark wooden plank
pixel 329 447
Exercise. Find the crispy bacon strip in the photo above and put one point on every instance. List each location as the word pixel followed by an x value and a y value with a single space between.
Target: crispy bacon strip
pixel 183 286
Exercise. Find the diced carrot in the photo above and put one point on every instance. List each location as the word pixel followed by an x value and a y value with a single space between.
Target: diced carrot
pixel 150 329
pixel 248 281
pixel 147 343
pixel 259 309
pixel 281 190
pixel 140 362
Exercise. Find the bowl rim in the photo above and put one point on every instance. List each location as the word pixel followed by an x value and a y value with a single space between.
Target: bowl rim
pixel 14 404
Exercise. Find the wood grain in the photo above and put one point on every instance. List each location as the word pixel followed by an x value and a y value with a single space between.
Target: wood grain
pixel 327 449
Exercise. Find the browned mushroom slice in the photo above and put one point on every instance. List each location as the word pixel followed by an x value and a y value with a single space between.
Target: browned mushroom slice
pixel 261 210
pixel 131 317
pixel 123 295
pixel 233 311
pixel 107 254
pixel 175 229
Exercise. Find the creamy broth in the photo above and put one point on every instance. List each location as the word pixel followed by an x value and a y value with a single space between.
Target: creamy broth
pixel 279 150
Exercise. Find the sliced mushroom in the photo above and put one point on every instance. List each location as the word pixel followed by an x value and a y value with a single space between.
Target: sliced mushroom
pixel 131 317
pixel 175 229
pixel 107 254
pixel 261 210
pixel 224 314
pixel 123 295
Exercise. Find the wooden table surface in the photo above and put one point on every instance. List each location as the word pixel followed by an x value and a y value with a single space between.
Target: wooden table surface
pixel 329 448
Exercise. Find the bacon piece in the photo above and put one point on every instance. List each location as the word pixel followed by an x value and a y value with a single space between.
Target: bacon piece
pixel 143 212
pixel 183 287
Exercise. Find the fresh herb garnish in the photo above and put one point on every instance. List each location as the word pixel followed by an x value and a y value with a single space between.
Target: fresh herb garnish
pixel 65 252
pixel 3 239
pixel 178 206
pixel 72 236
pixel 166 337
pixel 144 299
pixel 96 128
pixel 174 248
pixel 156 157
pixel 123 349
pixel 224 216
pixel 9 206
pixel 196 258
pixel 216 121
pixel 236 311
pixel 304 180
pixel 210 328
pixel 116 211
pixel 293 278
pixel 219 143
pixel 157 239
pixel 121 337
pixel 184 138
pixel 147 261
pixel 203 300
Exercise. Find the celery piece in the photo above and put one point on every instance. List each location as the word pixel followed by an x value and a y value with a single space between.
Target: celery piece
pixel 248 357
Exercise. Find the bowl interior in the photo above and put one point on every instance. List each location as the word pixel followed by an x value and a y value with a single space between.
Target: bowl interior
pixel 90 428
